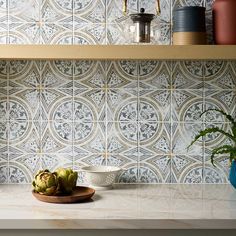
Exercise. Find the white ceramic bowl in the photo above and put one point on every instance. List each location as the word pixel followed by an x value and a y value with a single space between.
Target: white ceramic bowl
pixel 101 177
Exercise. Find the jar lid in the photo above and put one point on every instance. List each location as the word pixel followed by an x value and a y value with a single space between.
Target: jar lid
pixel 142 17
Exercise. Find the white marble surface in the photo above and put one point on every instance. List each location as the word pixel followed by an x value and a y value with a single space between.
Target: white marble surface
pixel 125 207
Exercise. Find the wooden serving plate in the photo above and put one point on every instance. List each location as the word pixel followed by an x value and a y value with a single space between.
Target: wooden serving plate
pixel 80 194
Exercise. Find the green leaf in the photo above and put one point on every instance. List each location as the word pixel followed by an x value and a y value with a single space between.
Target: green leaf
pixel 220 150
pixel 204 132
pixel 229 117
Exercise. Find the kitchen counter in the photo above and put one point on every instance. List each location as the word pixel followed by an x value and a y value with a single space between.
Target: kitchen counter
pixel 164 206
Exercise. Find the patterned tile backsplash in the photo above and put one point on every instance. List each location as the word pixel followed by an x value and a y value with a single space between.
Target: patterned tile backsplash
pixel 139 115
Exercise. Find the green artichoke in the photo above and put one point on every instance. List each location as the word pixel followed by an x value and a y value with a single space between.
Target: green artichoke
pixel 46 183
pixel 67 179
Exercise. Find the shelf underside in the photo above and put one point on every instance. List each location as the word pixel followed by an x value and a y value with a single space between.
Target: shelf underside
pixel 117 52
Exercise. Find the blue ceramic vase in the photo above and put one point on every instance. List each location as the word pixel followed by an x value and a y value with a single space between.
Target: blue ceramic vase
pixel 232 174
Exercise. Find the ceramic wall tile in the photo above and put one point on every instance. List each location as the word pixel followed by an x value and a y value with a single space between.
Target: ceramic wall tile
pixel 3 172
pixel 58 11
pixel 138 115
pixel 24 11
pixel 18 173
pixel 129 175
pixel 222 100
pixel 88 33
pixel 90 11
pixel 187 105
pixel 154 75
pixel 155 169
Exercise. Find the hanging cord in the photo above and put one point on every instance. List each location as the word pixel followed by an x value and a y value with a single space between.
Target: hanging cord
pixel 158 7
pixel 125 3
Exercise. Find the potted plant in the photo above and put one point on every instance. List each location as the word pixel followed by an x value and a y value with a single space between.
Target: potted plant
pixel 224 149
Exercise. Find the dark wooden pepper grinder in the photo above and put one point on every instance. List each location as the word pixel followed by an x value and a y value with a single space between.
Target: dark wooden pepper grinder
pixel 224 21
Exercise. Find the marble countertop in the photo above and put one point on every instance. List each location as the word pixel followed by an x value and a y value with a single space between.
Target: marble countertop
pixel 157 206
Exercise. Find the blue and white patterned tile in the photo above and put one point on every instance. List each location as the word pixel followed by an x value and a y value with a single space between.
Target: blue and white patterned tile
pixel 165 34
pixel 187 75
pixel 56 33
pixel 155 169
pixel 219 75
pixel 24 104
pixel 149 132
pixel 122 138
pixel 31 162
pixel 214 175
pixel 151 7
pixel 24 74
pixel 115 13
pixel 182 135
pixel 118 34
pixel 186 164
pixel 59 11
pixel 3 172
pixel 220 99
pixel 90 106
pixel 90 11
pixel 187 106
pixel 121 106
pixel 154 106
pixel 91 159
pixel 154 138
pixel 24 33
pixel 215 140
pixel 24 11
pixel 57 136
pixel 89 138
pixel 3 8
pixel 122 75
pixel 54 161
pixel 119 160
pixel 186 171
pixel 18 173
pixel 4 67
pixel 26 144
pixel 89 74
pixel 89 33
pixel 182 3
pixel 57 75
pixel 213 69
pixel 129 174
pixel 154 75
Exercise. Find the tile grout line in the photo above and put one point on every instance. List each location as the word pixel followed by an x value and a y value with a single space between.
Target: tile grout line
pixel 106 110
pixel 8 120
pixel 171 120
pixel 138 120
pixel 203 123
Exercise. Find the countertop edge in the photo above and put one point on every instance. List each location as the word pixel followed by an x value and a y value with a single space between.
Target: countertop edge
pixel 118 224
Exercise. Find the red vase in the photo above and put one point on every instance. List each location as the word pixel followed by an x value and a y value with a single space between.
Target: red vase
pixel 224 21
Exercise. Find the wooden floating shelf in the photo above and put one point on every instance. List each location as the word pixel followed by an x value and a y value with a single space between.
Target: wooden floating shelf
pixel 117 52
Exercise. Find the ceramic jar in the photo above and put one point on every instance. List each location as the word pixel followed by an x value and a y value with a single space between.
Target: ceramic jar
pixel 224 21
pixel 189 26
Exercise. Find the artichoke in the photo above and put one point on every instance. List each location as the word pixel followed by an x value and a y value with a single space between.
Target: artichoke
pixel 67 180
pixel 46 183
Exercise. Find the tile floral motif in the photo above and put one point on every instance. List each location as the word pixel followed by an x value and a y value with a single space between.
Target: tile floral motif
pixel 24 10
pixel 187 75
pixel 187 105
pixel 87 33
pixel 214 176
pixel 90 11
pixel 155 169
pixel 219 75
pixel 220 99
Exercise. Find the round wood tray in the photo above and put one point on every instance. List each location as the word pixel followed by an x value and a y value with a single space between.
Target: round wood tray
pixel 80 194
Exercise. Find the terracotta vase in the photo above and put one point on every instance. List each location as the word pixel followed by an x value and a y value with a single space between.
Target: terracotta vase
pixel 224 21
